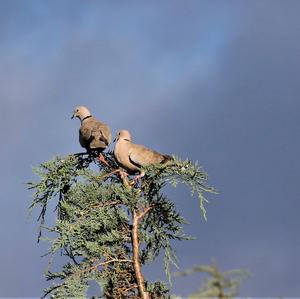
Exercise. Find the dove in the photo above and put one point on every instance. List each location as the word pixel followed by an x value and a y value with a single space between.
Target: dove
pixel 132 156
pixel 93 134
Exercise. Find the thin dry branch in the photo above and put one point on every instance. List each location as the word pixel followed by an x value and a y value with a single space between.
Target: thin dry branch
pixel 109 174
pixel 103 264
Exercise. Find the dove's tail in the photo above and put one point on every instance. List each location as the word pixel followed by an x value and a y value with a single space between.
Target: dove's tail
pixel 166 158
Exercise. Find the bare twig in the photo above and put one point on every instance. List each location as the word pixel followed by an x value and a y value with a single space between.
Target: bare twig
pixel 144 212
pixel 108 174
pixel 103 264
pixel 129 288
pixel 123 176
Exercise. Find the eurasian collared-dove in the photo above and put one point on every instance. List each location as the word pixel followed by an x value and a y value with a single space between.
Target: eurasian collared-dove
pixel 133 156
pixel 93 134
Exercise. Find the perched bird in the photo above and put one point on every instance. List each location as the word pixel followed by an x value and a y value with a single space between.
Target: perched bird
pixel 132 156
pixel 93 134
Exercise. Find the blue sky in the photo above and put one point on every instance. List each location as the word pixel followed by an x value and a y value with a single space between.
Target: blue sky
pixel 214 81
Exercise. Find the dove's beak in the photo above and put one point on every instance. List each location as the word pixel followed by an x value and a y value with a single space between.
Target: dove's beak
pixel 72 116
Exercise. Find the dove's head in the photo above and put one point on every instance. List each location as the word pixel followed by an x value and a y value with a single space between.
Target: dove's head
pixel 123 135
pixel 81 112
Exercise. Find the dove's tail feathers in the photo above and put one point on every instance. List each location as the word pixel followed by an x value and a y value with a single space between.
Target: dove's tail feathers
pixel 166 158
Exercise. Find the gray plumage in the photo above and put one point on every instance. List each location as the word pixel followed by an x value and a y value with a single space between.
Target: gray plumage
pixel 134 156
pixel 93 134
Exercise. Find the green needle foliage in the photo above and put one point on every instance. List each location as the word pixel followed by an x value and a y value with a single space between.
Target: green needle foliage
pixel 219 284
pixel 96 212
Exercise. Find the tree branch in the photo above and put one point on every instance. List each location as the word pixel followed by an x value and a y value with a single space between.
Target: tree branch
pixel 135 251
pixel 144 212
pixel 102 264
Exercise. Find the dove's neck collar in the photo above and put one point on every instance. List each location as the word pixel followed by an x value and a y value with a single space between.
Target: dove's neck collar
pixel 86 117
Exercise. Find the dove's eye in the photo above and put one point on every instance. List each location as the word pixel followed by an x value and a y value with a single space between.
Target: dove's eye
pixel 77 110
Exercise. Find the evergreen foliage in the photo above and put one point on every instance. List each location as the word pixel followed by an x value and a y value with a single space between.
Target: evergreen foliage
pixel 108 225
pixel 219 284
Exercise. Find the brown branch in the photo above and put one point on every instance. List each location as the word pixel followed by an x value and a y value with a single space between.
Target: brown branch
pixel 108 174
pixel 113 261
pixel 144 212
pixel 103 264
pixel 124 292
pixel 123 176
pixel 135 251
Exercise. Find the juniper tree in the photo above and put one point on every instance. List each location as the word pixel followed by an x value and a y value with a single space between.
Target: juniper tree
pixel 108 225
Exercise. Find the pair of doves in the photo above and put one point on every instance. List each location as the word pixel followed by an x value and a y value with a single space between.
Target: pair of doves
pixel 96 135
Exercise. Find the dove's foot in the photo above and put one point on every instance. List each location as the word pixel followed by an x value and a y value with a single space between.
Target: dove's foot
pixel 137 178
pixel 101 159
pixel 124 177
